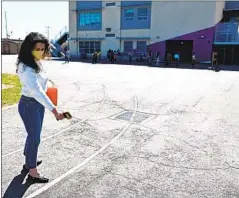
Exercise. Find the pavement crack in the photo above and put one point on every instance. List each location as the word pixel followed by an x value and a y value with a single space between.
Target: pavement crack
pixel 230 86
pixel 130 189
pixel 131 178
pixel 189 144
pixel 198 101
pixel 100 176
pixel 157 132
pixel 186 167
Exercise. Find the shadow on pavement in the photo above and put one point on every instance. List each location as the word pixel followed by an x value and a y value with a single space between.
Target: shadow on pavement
pixel 17 189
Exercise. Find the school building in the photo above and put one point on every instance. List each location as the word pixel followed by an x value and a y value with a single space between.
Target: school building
pixel 185 27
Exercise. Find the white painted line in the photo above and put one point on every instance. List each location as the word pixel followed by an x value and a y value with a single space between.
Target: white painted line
pixel 62 131
pixel 74 169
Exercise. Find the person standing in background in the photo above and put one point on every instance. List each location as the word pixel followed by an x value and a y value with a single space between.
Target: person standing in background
pixel 67 56
pixel 115 56
pixel 94 57
pixel 157 59
pixel 168 58
pixel 130 57
pixel 193 59
pixel 99 55
pixel 176 58
pixel 150 57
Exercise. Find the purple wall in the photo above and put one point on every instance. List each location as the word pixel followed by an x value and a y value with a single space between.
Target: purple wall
pixel 202 47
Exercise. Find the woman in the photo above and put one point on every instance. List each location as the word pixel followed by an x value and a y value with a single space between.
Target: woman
pixel 34 100
pixel 157 59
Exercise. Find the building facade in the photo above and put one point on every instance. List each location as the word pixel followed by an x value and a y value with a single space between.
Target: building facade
pixel 226 41
pixel 185 27
pixel 11 46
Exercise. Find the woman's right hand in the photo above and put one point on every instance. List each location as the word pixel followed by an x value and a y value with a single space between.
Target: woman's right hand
pixel 59 116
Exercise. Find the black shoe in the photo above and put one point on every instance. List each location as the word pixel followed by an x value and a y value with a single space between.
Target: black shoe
pixel 27 170
pixel 40 179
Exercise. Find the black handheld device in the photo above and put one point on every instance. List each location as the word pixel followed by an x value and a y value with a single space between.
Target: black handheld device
pixel 67 115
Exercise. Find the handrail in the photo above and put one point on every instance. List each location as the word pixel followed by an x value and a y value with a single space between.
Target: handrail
pixel 61 32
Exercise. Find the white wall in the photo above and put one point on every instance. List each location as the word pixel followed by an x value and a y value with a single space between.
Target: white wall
pixel 136 33
pixel 171 19
pixel 72 27
pixel 220 5
pixel 111 19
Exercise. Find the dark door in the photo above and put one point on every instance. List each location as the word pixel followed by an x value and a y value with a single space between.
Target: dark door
pixel 236 56
pixel 229 56
pixel 221 55
pixel 183 47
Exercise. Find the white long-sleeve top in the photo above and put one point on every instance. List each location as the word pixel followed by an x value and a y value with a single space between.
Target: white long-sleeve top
pixel 34 85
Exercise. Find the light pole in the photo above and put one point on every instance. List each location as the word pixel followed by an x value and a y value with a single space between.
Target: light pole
pixel 48 32
pixel 7 35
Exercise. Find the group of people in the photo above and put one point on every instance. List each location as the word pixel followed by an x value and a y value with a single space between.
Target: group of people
pixel 112 55
pixel 169 58
pixel 176 58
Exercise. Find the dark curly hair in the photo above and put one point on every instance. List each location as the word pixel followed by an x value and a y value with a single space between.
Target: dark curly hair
pixel 25 54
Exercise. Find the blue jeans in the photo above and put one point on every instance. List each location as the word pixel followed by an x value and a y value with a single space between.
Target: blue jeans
pixel 32 114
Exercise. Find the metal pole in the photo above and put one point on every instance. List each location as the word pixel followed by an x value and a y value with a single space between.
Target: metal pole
pixel 6 25
pixel 48 32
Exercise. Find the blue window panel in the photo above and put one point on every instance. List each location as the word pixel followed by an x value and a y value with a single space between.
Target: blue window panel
pixel 142 14
pixel 128 46
pixel 135 3
pixel 129 14
pixel 89 21
pixel 89 5
pixel 232 5
pixel 136 18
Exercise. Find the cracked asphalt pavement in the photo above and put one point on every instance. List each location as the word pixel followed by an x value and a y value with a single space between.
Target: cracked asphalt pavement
pixel 186 147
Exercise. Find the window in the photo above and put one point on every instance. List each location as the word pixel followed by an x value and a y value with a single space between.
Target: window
pixel 129 14
pixel 110 35
pixel 142 14
pixel 82 47
pixel 97 45
pixel 128 46
pixel 90 19
pixel 141 46
pixel 92 47
pixel 89 46
pixel 110 4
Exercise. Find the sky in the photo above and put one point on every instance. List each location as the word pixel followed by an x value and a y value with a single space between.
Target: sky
pixel 24 17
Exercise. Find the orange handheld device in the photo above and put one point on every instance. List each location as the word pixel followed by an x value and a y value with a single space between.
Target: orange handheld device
pixel 52 93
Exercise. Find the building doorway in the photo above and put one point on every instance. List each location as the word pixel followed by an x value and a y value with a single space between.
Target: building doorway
pixel 183 47
pixel 228 55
